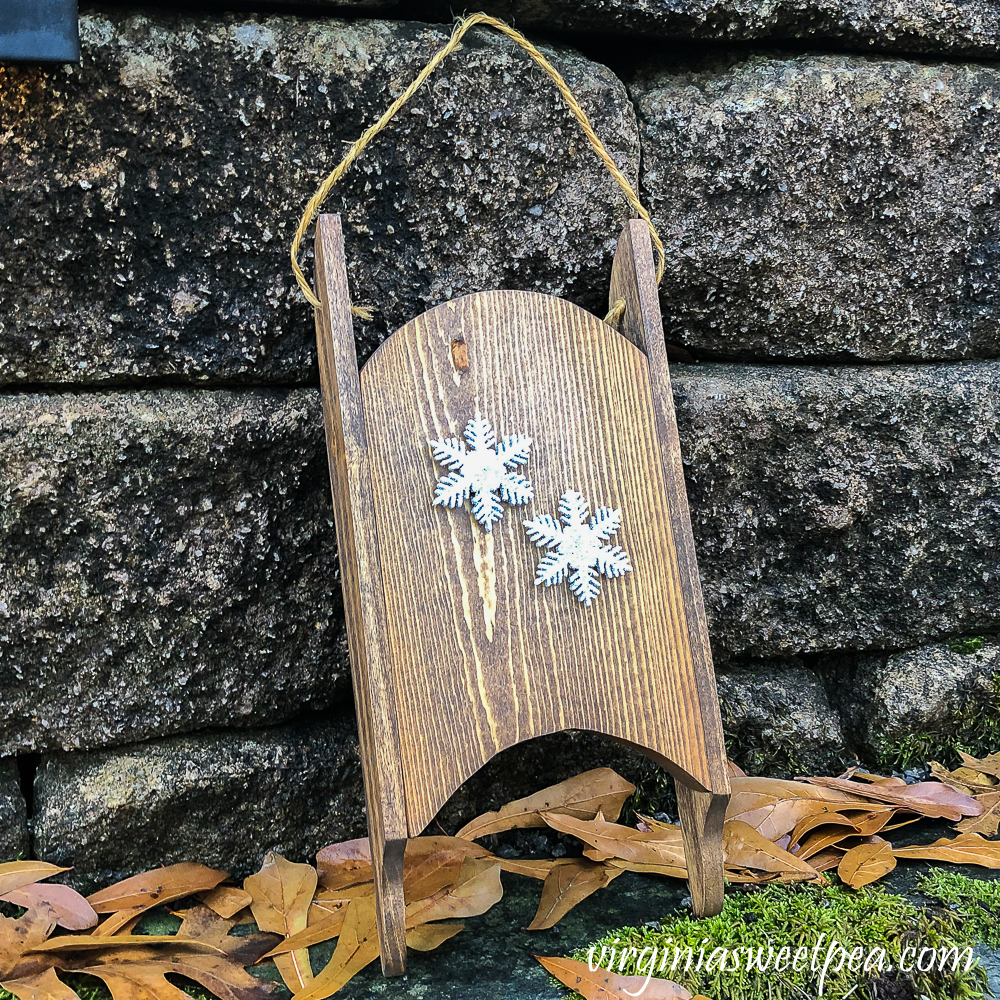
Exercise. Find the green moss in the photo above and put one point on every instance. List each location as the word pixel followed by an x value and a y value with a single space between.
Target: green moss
pixel 976 901
pixel 805 917
pixel 654 792
pixel 975 730
pixel 967 646
pixel 757 756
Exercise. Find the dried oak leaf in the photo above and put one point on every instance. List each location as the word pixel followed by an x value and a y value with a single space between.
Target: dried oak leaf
pixel 71 910
pixel 19 940
pixel 761 791
pixel 775 807
pixel 202 950
pixel 133 968
pixel 427 874
pixel 123 942
pixel 532 868
pixel 965 849
pixel 41 986
pixel 281 894
pixel 866 863
pixel 152 888
pixel 927 798
pixel 427 937
pixel 345 864
pixel 989 822
pixel 611 840
pixel 127 900
pixel 419 846
pixel 986 765
pixel 973 782
pixel 821 839
pixel 877 779
pixel 203 924
pixel 583 796
pixel 826 859
pixel 226 900
pixel 16 874
pixel 442 879
pixel 475 888
pixel 744 847
pixel 568 883
pixel 357 946
pixel 605 985
pixel 325 923
pixel 139 974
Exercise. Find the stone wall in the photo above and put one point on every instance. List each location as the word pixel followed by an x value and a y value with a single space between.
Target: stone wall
pixel 173 663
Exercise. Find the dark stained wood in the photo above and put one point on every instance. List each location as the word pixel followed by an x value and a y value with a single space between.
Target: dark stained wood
pixel 456 653
pixel 702 815
pixel 633 281
pixel 375 700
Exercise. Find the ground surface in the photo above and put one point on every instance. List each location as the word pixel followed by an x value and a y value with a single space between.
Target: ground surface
pixel 492 958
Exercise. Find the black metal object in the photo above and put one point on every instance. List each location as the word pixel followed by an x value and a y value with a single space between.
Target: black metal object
pixel 39 31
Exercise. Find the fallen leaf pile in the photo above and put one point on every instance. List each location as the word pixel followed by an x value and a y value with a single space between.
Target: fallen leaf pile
pixel 775 830
pixel 131 965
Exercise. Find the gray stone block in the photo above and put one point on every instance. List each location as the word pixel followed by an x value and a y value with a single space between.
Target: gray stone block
pixel 843 508
pixel 13 814
pixel 908 706
pixel 149 196
pixel 220 799
pixel 169 565
pixel 953 27
pixel 778 720
pixel 970 28
pixel 826 206
pixel 170 560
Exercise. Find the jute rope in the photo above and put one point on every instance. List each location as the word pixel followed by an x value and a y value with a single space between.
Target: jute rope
pixel 461 27
pixel 615 313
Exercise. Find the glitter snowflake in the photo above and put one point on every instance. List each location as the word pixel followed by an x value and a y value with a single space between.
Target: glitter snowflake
pixel 578 547
pixel 484 472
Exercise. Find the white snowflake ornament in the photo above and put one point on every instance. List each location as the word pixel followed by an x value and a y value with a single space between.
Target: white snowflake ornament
pixel 484 472
pixel 577 547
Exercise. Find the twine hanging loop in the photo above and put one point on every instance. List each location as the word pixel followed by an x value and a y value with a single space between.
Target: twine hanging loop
pixel 462 25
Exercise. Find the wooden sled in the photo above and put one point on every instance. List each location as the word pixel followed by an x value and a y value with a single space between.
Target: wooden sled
pixel 456 653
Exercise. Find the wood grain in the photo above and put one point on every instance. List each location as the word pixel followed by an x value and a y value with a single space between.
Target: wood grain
pixel 633 279
pixel 375 699
pixel 456 653
pixel 702 812
pixel 483 658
